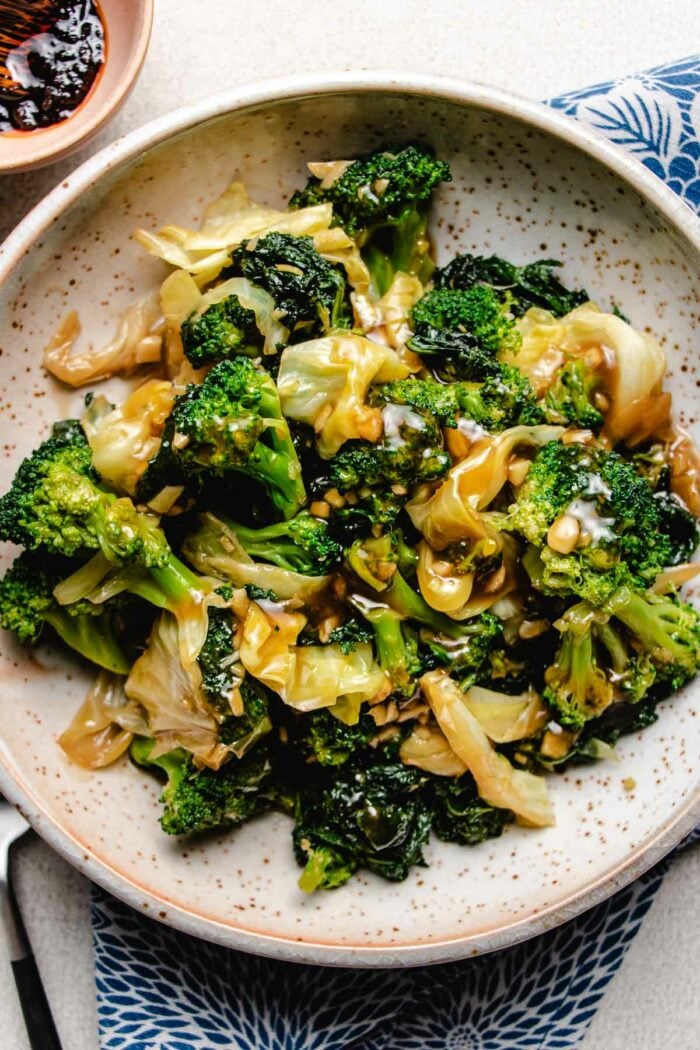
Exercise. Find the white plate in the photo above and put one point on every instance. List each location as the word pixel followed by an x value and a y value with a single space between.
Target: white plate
pixel 527 183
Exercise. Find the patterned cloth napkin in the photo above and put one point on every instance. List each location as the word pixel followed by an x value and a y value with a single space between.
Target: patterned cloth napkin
pixel 160 990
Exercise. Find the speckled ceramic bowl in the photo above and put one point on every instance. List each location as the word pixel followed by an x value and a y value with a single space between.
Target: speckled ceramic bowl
pixel 127 25
pixel 526 182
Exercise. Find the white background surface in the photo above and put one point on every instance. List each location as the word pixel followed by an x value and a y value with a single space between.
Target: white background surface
pixel 538 48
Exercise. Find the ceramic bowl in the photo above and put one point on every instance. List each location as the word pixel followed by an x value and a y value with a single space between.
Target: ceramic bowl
pixel 527 183
pixel 127 26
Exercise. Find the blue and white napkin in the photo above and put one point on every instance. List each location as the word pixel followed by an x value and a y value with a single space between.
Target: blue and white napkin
pixel 161 990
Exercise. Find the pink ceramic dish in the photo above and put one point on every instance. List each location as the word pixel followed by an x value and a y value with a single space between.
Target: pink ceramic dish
pixel 527 182
pixel 127 25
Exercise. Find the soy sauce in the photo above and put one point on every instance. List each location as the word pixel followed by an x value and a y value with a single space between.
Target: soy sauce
pixel 50 53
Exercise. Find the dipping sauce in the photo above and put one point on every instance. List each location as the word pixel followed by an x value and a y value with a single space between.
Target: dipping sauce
pixel 50 53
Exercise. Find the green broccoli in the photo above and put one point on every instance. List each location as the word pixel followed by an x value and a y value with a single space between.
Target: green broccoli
pixel 330 742
pixel 232 421
pixel 474 652
pixel 477 312
pixel 503 400
pixel 382 200
pixel 665 629
pixel 395 643
pixel 570 398
pixel 578 684
pixel 409 453
pixel 630 536
pixel 301 544
pixel 57 504
pixel 197 800
pixel 532 285
pixel 307 289
pixel 27 604
pixel 224 329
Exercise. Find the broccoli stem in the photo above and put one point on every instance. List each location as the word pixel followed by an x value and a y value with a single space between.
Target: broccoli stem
pixel 324 869
pixel 278 472
pixel 412 606
pixel 271 544
pixel 168 588
pixel 392 651
pixel 657 623
pixel 92 637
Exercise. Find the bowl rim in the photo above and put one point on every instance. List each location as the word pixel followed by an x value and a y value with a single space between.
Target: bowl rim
pixel 683 224
pixel 59 140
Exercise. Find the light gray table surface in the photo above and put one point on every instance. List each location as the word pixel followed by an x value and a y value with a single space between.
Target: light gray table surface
pixel 538 49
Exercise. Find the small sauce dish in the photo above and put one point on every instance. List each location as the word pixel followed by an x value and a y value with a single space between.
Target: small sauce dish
pixel 127 29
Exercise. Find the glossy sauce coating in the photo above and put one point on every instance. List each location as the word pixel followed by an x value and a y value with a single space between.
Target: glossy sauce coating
pixel 50 54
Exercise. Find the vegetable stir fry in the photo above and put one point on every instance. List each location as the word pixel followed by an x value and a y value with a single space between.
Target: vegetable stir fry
pixel 371 542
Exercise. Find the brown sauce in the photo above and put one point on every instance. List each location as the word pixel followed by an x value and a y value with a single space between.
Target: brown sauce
pixel 50 53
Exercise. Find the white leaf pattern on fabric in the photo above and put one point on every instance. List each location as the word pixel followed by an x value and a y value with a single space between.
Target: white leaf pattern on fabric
pixel 160 990
pixel 643 120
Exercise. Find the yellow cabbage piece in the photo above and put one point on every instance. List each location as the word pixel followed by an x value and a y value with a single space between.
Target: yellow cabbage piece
pixel 104 725
pixel 394 308
pixel 506 718
pixel 632 364
pixel 427 748
pixel 215 550
pixel 138 341
pixel 324 675
pixel 178 714
pixel 464 595
pixel 305 677
pixel 498 783
pixel 451 512
pixel 228 221
pixel 123 439
pixel 324 382
pixel 335 246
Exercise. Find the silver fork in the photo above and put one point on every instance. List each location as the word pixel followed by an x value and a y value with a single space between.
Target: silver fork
pixel 35 1007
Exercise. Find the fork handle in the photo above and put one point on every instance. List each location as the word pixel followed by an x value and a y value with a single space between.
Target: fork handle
pixel 32 996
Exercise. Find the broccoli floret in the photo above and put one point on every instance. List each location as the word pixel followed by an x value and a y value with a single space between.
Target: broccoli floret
pixel 570 398
pixel 302 544
pixel 27 604
pixel 224 329
pixel 409 453
pixel 578 686
pixel 382 200
pixel 461 816
pixel 56 504
pixel 653 650
pixel 532 285
pixel 477 312
pixel 331 742
pixel 231 422
pixel 198 800
pixel 472 651
pixel 666 629
pixel 376 189
pixel 376 817
pixel 630 534
pixel 307 289
pixel 503 400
